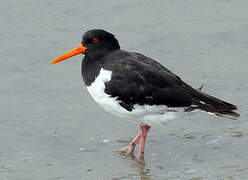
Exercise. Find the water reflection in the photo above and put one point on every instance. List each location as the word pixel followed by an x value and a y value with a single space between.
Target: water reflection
pixel 140 165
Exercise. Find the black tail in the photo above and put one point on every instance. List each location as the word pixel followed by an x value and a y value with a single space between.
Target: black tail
pixel 203 101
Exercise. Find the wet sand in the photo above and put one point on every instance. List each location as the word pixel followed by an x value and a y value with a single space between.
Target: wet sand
pixel 50 128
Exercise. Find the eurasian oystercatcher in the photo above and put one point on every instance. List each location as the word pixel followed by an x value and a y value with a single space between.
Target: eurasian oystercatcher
pixel 133 86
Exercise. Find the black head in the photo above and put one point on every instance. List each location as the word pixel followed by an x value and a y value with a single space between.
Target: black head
pixel 95 44
pixel 98 43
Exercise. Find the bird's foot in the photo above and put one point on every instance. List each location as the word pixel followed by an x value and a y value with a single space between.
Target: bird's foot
pixel 141 137
pixel 130 148
pixel 124 149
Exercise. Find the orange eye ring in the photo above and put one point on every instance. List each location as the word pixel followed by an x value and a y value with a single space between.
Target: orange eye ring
pixel 95 40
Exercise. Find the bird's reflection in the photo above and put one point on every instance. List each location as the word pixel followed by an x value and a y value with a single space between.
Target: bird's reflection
pixel 140 164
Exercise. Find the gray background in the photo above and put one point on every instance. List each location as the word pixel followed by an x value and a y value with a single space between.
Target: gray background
pixel 50 128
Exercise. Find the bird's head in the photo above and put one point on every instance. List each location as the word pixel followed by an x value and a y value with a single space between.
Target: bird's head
pixel 95 44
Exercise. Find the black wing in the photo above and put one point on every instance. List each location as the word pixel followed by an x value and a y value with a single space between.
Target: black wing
pixel 145 81
pixel 137 79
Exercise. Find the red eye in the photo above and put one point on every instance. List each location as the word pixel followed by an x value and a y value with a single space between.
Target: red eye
pixel 95 40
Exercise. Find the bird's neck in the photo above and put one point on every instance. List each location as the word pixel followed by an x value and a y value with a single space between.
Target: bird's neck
pixel 90 69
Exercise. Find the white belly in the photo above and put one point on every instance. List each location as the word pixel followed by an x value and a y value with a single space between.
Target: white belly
pixel 143 114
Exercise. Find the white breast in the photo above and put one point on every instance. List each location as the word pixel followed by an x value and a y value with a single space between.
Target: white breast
pixel 144 114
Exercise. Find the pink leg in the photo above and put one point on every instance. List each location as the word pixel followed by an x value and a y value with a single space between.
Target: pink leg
pixel 143 130
pixel 141 137
pixel 129 148
pixel 133 143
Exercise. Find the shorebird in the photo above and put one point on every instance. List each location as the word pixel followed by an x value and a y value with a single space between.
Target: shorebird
pixel 131 85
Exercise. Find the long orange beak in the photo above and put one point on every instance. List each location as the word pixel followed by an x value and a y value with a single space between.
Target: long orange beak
pixel 78 50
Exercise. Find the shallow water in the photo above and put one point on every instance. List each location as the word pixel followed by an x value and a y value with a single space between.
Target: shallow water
pixel 50 128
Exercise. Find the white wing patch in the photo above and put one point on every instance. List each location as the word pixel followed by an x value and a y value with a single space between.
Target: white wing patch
pixel 143 114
